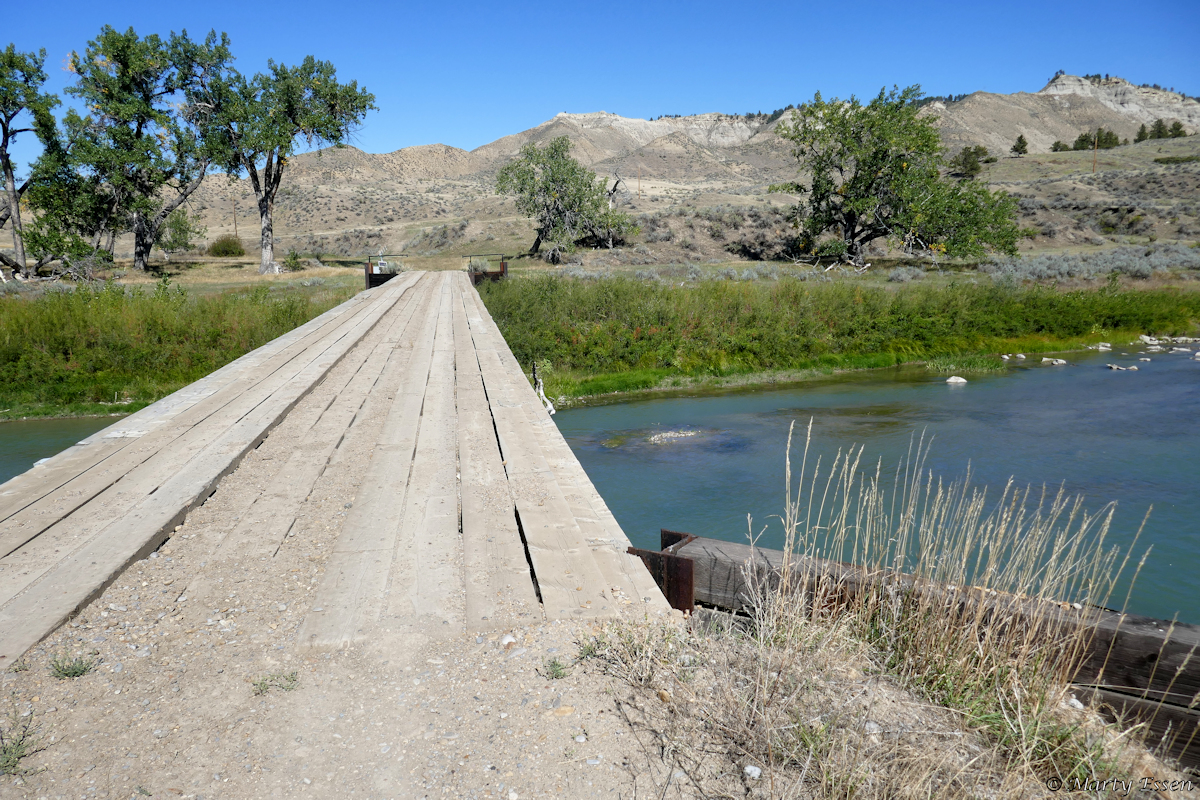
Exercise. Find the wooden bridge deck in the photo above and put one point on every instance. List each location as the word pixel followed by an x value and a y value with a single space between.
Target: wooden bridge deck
pixel 471 500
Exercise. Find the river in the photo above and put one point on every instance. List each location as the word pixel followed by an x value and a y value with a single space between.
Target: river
pixel 1123 436
pixel 24 442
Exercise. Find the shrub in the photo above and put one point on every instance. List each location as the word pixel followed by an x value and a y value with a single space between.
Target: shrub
pixel 63 667
pixel 226 246
pixel 1136 262
pixel 905 274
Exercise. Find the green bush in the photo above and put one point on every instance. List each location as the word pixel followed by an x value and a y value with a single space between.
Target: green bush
pixel 227 245
pixel 718 327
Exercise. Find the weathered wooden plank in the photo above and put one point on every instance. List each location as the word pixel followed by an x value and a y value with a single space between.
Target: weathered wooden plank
pixel 496 572
pixel 81 574
pixel 570 582
pixel 350 594
pixel 627 576
pixel 50 476
pixel 1126 652
pixel 269 518
pixel 1173 730
pixel 615 580
pixel 269 401
pixel 35 517
pixel 425 584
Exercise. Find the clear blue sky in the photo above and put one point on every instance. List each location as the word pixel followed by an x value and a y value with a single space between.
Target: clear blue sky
pixel 466 73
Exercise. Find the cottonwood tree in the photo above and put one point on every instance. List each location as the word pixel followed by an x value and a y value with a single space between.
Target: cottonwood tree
pixel 568 203
pixel 875 173
pixel 265 117
pixel 148 136
pixel 24 108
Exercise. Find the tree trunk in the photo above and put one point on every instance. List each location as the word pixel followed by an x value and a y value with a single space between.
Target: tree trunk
pixel 145 230
pixel 537 244
pixel 143 242
pixel 265 186
pixel 267 265
pixel 14 215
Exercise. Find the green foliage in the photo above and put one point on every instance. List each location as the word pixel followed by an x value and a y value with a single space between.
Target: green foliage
pixel 875 173
pixel 1020 147
pixel 1142 134
pixel 1159 130
pixel 293 262
pixel 967 162
pixel 570 207
pixel 20 737
pixel 181 231
pixel 964 362
pixel 1177 160
pixel 81 348
pixel 554 669
pixel 620 327
pixel 24 108
pixel 147 138
pixel 283 681
pixel 63 668
pixel 226 246
pixel 1177 131
pixel 261 119
pixel 1059 146
pixel 1101 139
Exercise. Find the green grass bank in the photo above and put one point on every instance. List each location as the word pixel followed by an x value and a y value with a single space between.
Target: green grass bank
pixel 594 337
pixel 107 348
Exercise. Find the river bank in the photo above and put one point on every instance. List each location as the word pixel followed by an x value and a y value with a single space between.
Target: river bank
pixel 614 337
pixel 105 348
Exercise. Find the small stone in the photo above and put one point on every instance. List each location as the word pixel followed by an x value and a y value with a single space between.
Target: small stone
pixel 664 695
pixel 955 379
pixel 348 505
pixel 307 781
pixel 1074 703
pixel 593 761
pixel 282 606
pixel 581 738
pixel 872 727
pixel 564 711
pixel 512 795
pixel 752 772
pixel 507 640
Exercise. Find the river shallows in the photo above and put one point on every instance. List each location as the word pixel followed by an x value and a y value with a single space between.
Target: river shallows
pixel 24 442
pixel 1129 437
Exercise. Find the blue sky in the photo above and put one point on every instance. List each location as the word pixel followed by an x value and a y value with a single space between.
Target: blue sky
pixel 465 73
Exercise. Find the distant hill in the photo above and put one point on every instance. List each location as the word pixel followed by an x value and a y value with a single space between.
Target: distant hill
pixel 1063 109
pixel 348 201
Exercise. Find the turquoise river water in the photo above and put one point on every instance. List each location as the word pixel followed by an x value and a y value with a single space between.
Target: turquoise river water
pixel 1128 437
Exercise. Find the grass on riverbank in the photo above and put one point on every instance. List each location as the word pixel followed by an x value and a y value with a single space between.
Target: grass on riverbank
pixel 107 348
pixel 622 335
pixel 943 688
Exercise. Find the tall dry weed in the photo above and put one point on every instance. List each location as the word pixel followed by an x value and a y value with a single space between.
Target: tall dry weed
pixel 939 665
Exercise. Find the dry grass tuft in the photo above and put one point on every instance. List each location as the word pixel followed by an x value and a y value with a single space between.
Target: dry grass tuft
pixel 892 682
